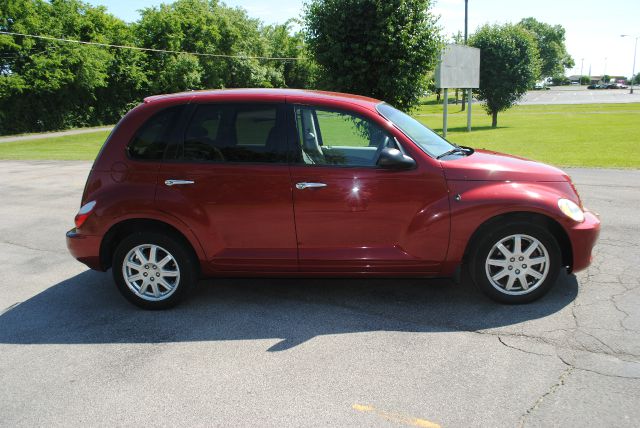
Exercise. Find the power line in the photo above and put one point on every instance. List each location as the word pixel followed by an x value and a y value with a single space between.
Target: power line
pixel 107 45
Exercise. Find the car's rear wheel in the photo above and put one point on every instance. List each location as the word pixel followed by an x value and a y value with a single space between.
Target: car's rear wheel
pixel 516 263
pixel 152 270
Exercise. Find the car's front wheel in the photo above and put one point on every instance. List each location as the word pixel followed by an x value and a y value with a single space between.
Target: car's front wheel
pixel 152 270
pixel 516 263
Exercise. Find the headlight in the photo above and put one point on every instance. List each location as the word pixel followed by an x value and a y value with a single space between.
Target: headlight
pixel 571 210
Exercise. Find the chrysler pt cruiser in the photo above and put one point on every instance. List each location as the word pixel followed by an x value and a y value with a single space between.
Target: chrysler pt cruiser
pixel 274 182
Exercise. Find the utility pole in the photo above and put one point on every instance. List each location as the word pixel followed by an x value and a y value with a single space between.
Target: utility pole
pixel 633 70
pixel 466 15
pixel 466 20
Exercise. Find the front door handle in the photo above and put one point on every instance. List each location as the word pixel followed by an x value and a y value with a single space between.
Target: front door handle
pixel 174 182
pixel 304 185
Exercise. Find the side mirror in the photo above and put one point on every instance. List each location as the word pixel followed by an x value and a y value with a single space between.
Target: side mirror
pixel 395 159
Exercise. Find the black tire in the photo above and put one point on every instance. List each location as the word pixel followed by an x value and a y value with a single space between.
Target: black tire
pixel 183 262
pixel 480 272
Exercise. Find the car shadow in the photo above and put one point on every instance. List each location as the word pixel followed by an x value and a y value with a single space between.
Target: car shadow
pixel 87 309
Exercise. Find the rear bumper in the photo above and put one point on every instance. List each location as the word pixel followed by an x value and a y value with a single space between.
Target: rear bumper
pixel 85 248
pixel 583 238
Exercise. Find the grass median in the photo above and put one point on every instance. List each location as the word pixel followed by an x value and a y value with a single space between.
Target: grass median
pixel 68 147
pixel 588 135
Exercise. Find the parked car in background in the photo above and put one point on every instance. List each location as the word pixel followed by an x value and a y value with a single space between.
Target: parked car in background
pixel 276 182
pixel 540 86
pixel 616 86
pixel 595 86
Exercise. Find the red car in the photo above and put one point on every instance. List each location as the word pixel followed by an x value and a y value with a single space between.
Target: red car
pixel 291 182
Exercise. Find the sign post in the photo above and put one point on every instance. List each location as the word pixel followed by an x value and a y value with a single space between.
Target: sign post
pixel 444 112
pixel 459 67
pixel 469 94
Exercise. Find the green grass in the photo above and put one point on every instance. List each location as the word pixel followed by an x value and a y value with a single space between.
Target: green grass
pixel 589 135
pixel 70 147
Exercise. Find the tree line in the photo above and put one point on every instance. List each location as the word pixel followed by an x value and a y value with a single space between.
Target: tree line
pixel 48 85
pixel 380 48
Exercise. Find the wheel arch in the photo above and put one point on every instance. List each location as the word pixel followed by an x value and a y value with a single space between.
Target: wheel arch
pixel 552 225
pixel 120 230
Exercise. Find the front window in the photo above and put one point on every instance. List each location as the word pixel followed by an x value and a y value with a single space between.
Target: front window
pixel 426 139
pixel 339 138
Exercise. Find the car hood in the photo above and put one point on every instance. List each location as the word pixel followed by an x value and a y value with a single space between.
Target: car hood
pixel 484 165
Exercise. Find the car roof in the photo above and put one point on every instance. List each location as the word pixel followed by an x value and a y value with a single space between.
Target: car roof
pixel 265 94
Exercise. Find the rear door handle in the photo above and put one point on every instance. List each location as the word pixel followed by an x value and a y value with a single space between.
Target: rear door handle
pixel 304 185
pixel 174 182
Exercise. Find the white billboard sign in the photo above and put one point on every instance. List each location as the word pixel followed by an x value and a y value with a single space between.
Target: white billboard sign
pixel 459 67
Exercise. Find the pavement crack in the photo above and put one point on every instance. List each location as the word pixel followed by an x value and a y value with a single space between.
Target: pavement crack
pixel 618 243
pixel 606 374
pixel 573 367
pixel 625 314
pixel 552 390
pixel 522 350
pixel 15 244
pixel 600 341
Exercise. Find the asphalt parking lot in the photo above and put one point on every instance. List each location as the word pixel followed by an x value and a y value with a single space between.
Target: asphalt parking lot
pixel 580 95
pixel 310 352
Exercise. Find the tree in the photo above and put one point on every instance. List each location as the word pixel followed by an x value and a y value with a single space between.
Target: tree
pixel 204 27
pixel 379 48
pixel 285 44
pixel 551 47
pixel 585 80
pixel 53 85
pixel 509 65
pixel 210 27
pixel 560 80
pixel 47 85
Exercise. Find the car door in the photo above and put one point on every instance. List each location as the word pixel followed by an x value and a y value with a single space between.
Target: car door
pixel 230 183
pixel 145 153
pixel 352 216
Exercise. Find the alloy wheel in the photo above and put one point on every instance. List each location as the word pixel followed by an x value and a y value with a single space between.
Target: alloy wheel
pixel 517 264
pixel 151 272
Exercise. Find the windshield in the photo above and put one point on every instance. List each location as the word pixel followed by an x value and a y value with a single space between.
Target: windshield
pixel 426 139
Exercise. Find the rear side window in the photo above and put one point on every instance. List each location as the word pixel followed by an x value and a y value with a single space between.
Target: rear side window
pixel 235 133
pixel 152 139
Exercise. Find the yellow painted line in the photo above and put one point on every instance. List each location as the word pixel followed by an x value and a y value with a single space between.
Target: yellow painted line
pixel 395 417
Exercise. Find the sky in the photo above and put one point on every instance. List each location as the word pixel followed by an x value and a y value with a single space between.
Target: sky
pixel 593 28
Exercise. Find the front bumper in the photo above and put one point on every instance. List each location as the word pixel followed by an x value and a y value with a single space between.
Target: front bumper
pixel 583 238
pixel 85 248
